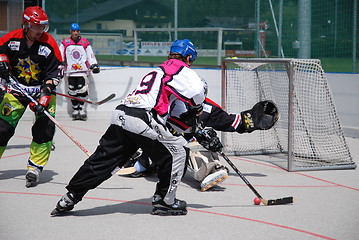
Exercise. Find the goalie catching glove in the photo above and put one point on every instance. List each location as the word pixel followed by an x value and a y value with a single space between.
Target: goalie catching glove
pixel 262 116
pixel 208 139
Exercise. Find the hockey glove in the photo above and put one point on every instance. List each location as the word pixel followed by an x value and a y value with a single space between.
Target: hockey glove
pixel 95 68
pixel 262 116
pixel 43 102
pixel 190 118
pixel 4 67
pixel 208 139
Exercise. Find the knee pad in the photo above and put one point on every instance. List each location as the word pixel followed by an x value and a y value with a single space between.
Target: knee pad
pixel 82 92
pixel 78 87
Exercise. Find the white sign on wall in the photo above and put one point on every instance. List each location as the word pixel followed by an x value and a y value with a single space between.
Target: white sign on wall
pixel 155 48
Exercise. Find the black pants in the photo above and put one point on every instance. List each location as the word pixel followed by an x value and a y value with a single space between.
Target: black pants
pixel 78 87
pixel 131 129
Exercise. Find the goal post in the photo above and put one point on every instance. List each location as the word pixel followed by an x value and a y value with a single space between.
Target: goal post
pixel 308 135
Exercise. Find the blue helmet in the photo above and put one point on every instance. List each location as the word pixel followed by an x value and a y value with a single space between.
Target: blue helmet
pixel 75 26
pixel 184 47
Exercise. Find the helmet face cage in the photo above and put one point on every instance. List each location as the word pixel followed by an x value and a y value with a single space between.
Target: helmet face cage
pixel 184 47
pixel 36 19
pixel 75 27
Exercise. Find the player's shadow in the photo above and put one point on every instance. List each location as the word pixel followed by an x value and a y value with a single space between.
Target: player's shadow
pixel 18 146
pixel 140 206
pixel 152 177
pixel 45 177
pixel 248 174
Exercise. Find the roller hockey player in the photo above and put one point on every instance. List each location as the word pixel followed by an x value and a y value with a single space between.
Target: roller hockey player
pixel 204 163
pixel 32 58
pixel 79 60
pixel 139 122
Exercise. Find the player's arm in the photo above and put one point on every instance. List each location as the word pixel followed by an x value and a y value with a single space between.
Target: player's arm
pixel 261 117
pixel 194 109
pixel 208 138
pixel 62 52
pixel 214 116
pixel 5 66
pixel 92 60
pixel 53 73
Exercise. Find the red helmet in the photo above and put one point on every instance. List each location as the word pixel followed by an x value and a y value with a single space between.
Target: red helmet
pixel 35 15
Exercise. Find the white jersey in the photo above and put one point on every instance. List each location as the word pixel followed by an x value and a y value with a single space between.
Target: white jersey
pixel 78 56
pixel 161 87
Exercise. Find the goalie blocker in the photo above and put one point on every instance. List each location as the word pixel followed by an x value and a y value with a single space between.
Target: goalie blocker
pixel 262 116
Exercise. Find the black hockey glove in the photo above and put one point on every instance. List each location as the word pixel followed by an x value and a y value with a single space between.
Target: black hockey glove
pixel 191 116
pixel 95 68
pixel 262 116
pixel 208 139
pixel 43 100
pixel 4 67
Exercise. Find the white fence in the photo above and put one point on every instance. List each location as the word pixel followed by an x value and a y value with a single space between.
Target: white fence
pixel 121 80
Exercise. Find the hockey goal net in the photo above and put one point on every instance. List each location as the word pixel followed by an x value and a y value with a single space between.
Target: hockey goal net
pixel 308 135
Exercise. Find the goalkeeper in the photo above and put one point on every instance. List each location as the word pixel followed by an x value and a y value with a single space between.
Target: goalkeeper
pixel 204 164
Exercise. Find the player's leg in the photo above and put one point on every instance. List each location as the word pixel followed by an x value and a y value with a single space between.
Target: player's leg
pixel 217 174
pixel 143 166
pixel 11 112
pixel 205 167
pixel 168 151
pixel 169 154
pixel 113 151
pixel 43 132
pixel 139 165
pixel 82 92
pixel 72 84
pixel 78 87
pixel 117 145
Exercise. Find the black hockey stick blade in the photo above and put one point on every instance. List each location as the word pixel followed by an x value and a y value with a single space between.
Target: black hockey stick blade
pixel 266 202
pixel 87 101
pixel 106 99
pixel 279 201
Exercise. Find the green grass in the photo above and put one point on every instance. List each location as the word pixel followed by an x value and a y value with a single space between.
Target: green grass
pixel 157 59
pixel 338 65
pixel 329 64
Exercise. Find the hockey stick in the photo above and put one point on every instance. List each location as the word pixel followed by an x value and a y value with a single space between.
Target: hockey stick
pixel 87 101
pixel 279 201
pixel 286 200
pixel 16 84
pixel 90 70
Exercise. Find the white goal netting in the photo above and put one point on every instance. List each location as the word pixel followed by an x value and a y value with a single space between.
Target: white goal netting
pixel 308 135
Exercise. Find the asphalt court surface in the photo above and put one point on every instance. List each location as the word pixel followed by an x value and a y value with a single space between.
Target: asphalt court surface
pixel 325 206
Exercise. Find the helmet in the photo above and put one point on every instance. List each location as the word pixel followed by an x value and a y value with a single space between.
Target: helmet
pixel 184 47
pixel 75 26
pixel 35 15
